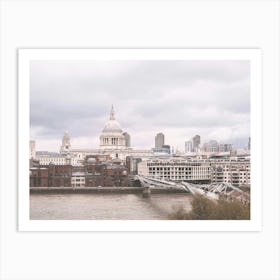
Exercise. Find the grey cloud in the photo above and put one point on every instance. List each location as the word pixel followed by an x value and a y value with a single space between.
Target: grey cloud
pixel 149 96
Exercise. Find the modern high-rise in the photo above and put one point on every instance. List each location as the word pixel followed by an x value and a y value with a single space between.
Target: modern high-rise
pixel 159 140
pixel 188 146
pixel 196 143
pixel 249 143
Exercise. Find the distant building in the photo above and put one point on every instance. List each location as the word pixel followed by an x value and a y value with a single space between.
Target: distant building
pixel 66 145
pixel 249 143
pixel 32 149
pixel 165 149
pixel 211 146
pixel 214 147
pixel 196 143
pixel 188 146
pixel 46 158
pixel 225 147
pixel 127 139
pixel 159 140
pixel 112 137
pixel 132 164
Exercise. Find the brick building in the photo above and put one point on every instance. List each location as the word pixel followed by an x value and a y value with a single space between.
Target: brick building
pixel 51 176
pixel 96 171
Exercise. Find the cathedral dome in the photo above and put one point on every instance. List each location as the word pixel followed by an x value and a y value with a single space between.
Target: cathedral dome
pixel 112 135
pixel 112 126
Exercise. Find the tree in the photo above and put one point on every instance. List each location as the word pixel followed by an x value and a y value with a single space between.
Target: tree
pixel 206 209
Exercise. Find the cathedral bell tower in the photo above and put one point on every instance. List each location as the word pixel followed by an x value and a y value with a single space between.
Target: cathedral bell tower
pixel 66 145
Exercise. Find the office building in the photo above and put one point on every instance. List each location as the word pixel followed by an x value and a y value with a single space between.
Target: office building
pixel 159 140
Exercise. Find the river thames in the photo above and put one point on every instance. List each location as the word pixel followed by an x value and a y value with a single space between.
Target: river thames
pixel 106 206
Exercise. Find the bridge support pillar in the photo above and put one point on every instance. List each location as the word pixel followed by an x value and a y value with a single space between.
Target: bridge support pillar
pixel 146 192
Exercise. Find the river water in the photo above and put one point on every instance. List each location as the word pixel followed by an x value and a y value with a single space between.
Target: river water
pixel 105 206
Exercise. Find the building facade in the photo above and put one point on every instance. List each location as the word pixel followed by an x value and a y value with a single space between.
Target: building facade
pixel 159 140
pixel 225 148
pixel 188 147
pixel 233 170
pixel 196 143
pixel 51 176
pixel 58 159
pixel 211 147
pixel 237 173
pixel 176 170
pixel 93 173
pixel 65 145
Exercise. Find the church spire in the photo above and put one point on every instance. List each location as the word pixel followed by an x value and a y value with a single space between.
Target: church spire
pixel 112 113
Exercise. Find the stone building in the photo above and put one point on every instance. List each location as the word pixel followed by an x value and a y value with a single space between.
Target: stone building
pixel 112 137
pixel 66 145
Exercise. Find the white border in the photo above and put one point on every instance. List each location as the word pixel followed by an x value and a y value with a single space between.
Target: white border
pixel 24 58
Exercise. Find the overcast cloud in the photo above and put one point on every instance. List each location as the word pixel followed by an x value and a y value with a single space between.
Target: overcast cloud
pixel 179 98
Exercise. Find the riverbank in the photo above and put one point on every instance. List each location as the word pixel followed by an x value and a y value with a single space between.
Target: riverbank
pixel 104 190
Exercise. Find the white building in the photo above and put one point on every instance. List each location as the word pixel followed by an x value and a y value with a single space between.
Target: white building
pixel 66 145
pixel 51 158
pixel 177 169
pixel 235 172
pixel 78 180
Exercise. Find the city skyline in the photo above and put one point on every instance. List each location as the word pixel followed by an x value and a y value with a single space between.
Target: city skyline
pixel 179 98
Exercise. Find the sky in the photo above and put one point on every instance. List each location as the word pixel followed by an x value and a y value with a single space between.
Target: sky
pixel 180 98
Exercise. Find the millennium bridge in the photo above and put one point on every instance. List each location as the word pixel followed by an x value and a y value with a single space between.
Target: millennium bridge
pixel 213 191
